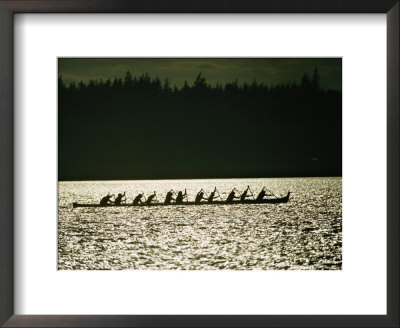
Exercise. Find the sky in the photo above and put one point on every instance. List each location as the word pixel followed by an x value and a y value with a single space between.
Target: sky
pixel 270 71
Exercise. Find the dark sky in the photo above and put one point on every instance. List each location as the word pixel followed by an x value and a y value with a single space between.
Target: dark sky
pixel 222 70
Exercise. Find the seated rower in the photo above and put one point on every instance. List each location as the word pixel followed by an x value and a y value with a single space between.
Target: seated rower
pixel 199 197
pixel 119 199
pixel 138 199
pixel 150 198
pixel 244 195
pixel 212 195
pixel 106 200
pixel 261 194
pixel 180 197
pixel 231 197
pixel 169 197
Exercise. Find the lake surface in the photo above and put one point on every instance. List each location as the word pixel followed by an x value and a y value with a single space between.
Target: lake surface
pixel 304 234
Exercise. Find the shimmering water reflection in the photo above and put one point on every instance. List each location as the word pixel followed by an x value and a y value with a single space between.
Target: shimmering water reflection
pixel 304 234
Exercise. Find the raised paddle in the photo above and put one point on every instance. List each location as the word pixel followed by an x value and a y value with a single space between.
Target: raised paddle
pixel 214 196
pixel 218 193
pixel 271 193
pixel 248 187
pixel 238 191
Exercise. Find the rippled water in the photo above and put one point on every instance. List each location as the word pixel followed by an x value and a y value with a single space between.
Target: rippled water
pixel 304 234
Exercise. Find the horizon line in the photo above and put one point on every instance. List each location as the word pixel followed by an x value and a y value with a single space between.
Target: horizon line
pixel 231 178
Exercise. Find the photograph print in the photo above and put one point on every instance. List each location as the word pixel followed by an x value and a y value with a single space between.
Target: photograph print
pixel 199 164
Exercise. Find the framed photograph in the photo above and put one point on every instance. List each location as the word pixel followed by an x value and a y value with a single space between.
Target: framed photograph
pixel 202 164
pixel 181 163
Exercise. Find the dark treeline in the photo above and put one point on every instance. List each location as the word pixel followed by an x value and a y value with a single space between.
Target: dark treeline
pixel 141 127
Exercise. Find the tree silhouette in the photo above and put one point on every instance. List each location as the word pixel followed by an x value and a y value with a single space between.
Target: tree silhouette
pixel 200 82
pixel 315 80
pixel 139 127
pixel 128 82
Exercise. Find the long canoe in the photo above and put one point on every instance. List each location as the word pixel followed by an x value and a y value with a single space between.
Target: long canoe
pixel 217 202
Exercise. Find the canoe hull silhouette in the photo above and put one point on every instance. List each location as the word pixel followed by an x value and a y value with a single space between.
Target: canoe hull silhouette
pixel 237 202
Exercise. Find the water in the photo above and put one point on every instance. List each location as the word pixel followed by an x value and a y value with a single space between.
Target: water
pixel 304 234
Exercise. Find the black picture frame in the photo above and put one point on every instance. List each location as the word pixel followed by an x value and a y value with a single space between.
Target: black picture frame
pixel 10 7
